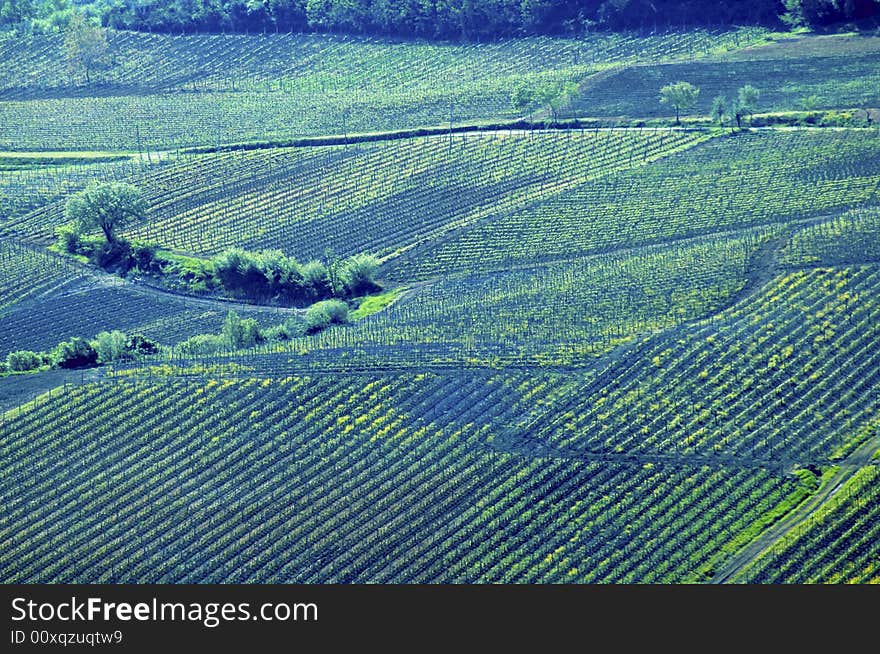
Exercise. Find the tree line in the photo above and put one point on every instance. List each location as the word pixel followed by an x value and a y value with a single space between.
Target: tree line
pixel 265 276
pixel 443 19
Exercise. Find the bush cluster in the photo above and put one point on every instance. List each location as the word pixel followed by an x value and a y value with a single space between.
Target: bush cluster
pixel 267 276
pixel 243 333
pixel 82 353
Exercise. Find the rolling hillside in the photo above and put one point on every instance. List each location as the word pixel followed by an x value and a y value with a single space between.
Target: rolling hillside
pixel 621 355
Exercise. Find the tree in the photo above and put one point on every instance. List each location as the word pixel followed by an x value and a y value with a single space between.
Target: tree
pixel 325 313
pixel 14 12
pixel 820 13
pixel 85 46
pixel 241 333
pixel 523 99
pixel 681 95
pixel 358 274
pixel 107 205
pixel 23 360
pixel 556 95
pixel 719 108
pixel 75 353
pixel 110 346
pixel 746 103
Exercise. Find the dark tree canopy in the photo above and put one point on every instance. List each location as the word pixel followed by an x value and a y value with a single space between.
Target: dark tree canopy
pixel 446 19
pixel 440 19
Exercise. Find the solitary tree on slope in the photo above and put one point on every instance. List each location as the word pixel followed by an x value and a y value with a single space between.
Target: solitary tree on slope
pixel 681 95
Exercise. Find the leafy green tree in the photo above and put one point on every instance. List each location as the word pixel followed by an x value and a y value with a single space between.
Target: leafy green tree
pixel 523 99
pixel 556 95
pixel 105 205
pixel 110 346
pixel 202 344
pixel 819 13
pixel 23 360
pixel 358 273
pixel 325 313
pixel 316 280
pixel 746 103
pixel 719 109
pixel 85 47
pixel 241 333
pixel 14 12
pixel 140 345
pixel 680 95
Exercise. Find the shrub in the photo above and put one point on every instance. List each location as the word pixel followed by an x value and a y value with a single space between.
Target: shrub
pixel 143 257
pixel 316 280
pixel 139 345
pixel 75 353
pixel 239 270
pixel 323 314
pixel 23 360
pixel 295 325
pixel 277 333
pixel 115 255
pixel 68 239
pixel 241 333
pixel 203 344
pixel 358 274
pixel 110 346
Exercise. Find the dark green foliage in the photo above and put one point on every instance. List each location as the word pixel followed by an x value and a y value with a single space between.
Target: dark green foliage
pixel 357 275
pixel 241 333
pixel 69 239
pixel 110 346
pixel 273 276
pixel 203 345
pixel 75 353
pixel 268 276
pixel 821 13
pixel 435 18
pixel 139 345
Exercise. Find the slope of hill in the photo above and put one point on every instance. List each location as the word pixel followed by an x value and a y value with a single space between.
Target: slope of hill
pixel 166 92
pixel 613 356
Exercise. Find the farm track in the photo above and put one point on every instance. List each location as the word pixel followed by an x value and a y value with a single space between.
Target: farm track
pixel 801 514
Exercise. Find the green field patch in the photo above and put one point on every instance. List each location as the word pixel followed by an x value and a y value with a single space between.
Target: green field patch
pixel 373 304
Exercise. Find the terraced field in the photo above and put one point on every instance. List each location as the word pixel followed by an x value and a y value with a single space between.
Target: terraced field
pixel 391 485
pixel 785 85
pixel 609 356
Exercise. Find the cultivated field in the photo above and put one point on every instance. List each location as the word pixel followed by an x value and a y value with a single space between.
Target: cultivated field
pixel 607 355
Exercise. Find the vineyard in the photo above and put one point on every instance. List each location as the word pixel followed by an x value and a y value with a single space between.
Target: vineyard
pixel 166 92
pixel 50 299
pixel 725 183
pixel 785 84
pixel 619 354
pixel 391 485
pixel 837 546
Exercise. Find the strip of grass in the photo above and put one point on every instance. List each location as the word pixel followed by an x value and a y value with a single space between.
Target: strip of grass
pixel 809 483
pixel 375 303
pixel 31 160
